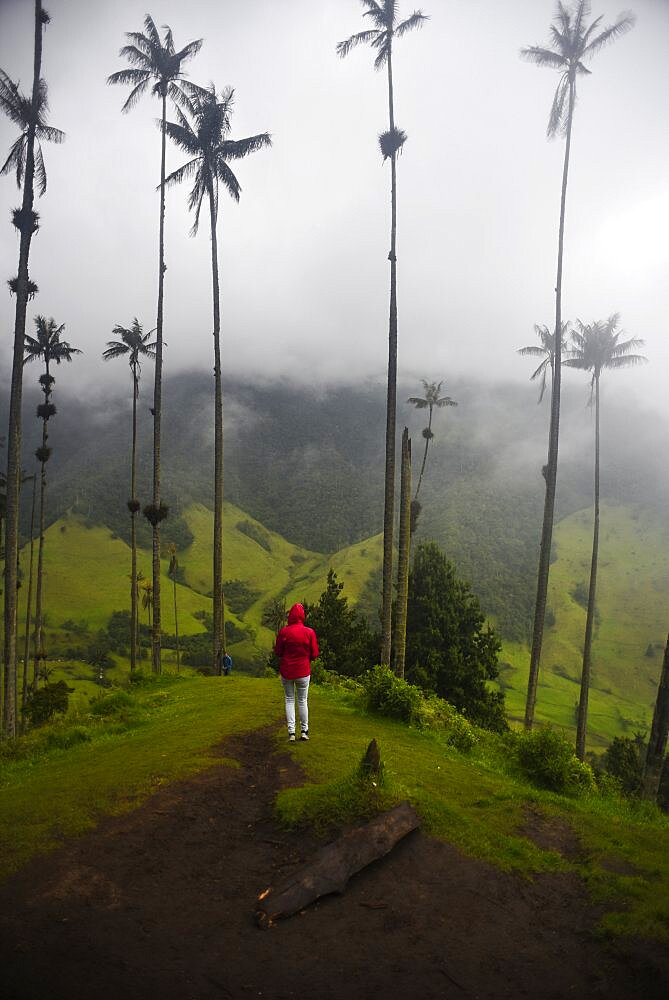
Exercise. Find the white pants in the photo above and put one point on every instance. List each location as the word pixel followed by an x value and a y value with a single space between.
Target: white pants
pixel 301 685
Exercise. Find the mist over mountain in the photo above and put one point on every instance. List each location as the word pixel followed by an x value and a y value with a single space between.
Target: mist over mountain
pixel 308 462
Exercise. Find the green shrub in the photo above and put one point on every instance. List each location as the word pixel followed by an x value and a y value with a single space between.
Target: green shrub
pixel 44 703
pixel 390 695
pixel 117 704
pixel 548 760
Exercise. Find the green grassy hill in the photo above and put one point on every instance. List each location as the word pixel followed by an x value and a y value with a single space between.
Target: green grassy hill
pixel 87 575
pixel 630 634
pixel 87 579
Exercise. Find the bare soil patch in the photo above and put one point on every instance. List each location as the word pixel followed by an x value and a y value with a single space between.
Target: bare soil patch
pixel 159 903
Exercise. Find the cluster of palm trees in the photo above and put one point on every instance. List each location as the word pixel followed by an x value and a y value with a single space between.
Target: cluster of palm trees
pixel 596 346
pixel 593 348
pixel 202 132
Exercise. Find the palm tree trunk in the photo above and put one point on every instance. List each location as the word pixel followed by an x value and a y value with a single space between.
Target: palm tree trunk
pixel 391 404
pixel 38 645
pixel 582 721
pixel 218 445
pixel 403 559
pixel 29 601
pixel 427 445
pixel 14 431
pixel 176 622
pixel 157 411
pixel 551 464
pixel 657 744
pixel 133 531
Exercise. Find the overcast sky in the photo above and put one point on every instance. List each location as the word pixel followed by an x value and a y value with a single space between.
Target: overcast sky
pixel 304 269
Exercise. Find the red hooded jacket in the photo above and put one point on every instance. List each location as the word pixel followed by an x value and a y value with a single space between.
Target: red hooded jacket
pixel 296 645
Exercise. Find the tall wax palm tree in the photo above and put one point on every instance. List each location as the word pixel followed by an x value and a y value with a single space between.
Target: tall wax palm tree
pixel 546 351
pixel 26 160
pixel 659 730
pixel 573 42
pixel 29 598
pixel 203 134
pixel 48 347
pixel 133 344
pixel 430 401
pixel 156 62
pixel 596 347
pixel 173 572
pixel 385 28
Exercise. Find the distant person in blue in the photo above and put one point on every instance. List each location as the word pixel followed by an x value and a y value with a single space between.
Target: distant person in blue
pixel 226 664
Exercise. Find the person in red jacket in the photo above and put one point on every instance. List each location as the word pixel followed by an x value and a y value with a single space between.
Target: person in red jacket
pixel 296 646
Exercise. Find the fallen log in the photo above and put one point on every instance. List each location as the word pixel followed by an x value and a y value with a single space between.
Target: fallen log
pixel 334 865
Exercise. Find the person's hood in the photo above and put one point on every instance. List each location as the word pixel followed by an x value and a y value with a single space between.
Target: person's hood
pixel 296 614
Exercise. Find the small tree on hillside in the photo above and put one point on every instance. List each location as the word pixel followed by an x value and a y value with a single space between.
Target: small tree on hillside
pixel 450 649
pixel 347 644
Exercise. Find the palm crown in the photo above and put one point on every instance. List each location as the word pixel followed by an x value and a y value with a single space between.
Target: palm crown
pixel 19 109
pixel 134 342
pixel 204 139
pixel 383 16
pixel 47 343
pixel 597 346
pixel 153 60
pixel 546 351
pixel 432 397
pixel 572 43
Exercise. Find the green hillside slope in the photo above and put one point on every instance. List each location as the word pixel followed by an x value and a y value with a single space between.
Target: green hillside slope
pixel 632 605
pixel 87 579
pixel 87 575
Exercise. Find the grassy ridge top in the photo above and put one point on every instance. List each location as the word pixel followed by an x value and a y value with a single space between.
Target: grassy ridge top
pixel 130 744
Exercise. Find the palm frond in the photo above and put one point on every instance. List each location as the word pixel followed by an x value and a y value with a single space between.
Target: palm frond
pixel 189 51
pixel 50 133
pixel 15 160
pixel 124 76
pixel 226 176
pixel 184 172
pixel 626 361
pixel 115 349
pixel 135 57
pixel 361 38
pixel 236 149
pixel 151 31
pixel 418 402
pixel 624 24
pixel 543 57
pixel 559 114
pixel 416 20
pixel 532 352
pixel 135 94
pixel 374 11
pixel 40 169
pixel 182 135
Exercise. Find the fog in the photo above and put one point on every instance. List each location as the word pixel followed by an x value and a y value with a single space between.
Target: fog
pixel 304 271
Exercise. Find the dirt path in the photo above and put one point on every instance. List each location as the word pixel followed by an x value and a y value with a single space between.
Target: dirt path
pixel 158 904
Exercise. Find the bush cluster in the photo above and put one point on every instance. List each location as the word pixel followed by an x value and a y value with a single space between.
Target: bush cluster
pixel 548 760
pixel 394 697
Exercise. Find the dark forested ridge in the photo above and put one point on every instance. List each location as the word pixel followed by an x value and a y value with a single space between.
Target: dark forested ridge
pixel 308 463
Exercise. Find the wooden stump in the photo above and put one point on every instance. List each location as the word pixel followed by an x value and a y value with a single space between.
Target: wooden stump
pixel 334 865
